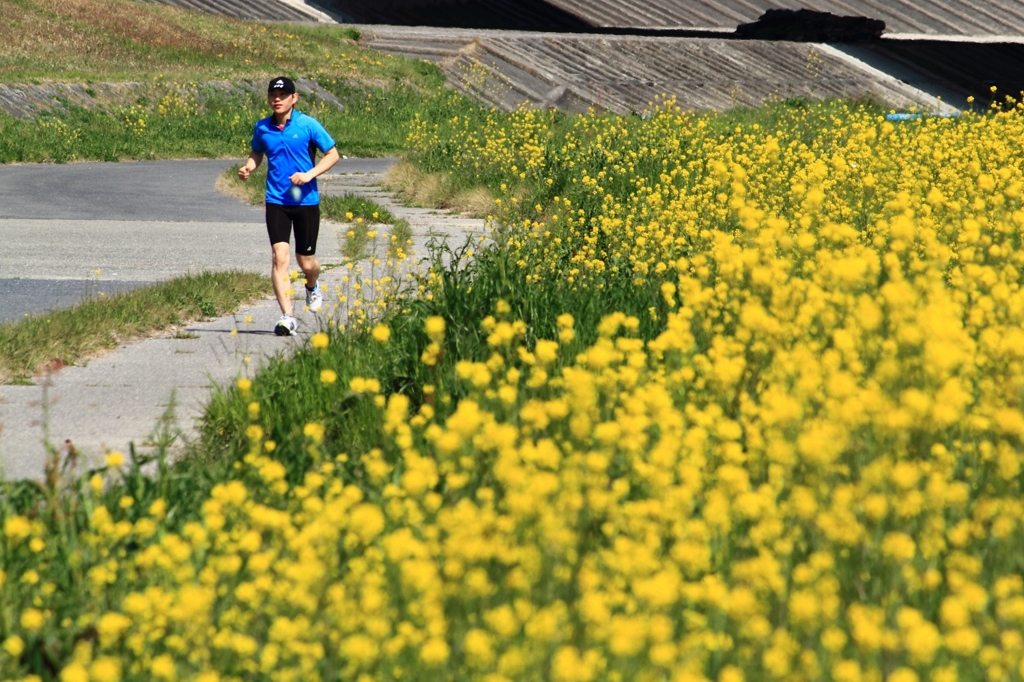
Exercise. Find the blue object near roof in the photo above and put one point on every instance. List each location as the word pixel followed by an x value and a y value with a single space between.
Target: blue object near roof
pixel 905 116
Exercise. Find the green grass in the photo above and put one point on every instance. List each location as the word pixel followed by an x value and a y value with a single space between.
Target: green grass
pixel 128 40
pixel 365 216
pixel 351 206
pixel 401 236
pixel 67 336
pixel 357 241
pixel 166 120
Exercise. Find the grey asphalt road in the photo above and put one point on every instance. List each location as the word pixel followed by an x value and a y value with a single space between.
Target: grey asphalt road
pixel 161 191
pixel 134 222
pixel 166 191
pixel 20 297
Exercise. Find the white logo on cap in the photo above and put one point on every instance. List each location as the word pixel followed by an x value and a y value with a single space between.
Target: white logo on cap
pixel 279 84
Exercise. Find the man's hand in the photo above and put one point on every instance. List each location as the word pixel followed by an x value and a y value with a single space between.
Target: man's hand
pixel 330 158
pixel 301 178
pixel 251 164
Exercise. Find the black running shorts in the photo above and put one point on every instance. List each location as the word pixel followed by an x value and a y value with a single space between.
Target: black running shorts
pixel 305 220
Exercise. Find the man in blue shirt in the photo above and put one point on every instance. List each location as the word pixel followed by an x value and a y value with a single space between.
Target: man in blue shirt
pixel 289 140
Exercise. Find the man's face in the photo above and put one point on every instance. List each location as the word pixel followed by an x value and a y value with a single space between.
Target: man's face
pixel 282 102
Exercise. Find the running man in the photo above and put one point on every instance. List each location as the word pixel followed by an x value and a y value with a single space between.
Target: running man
pixel 289 140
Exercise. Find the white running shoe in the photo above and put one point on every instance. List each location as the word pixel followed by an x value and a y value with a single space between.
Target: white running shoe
pixel 286 326
pixel 315 297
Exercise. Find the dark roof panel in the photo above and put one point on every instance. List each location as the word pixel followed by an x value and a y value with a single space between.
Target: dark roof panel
pixel 929 17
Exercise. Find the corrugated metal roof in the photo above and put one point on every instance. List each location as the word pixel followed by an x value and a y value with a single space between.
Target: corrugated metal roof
pixel 927 17
pixel 257 10
pixel 624 73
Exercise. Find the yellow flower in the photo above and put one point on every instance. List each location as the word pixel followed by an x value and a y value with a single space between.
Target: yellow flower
pixel 434 651
pixel 381 333
pixel 314 431
pixel 13 646
pixel 833 639
pixel 244 385
pixel 567 665
pixel 17 528
pixel 115 459
pixel 105 669
pixel 163 668
pixel 847 671
pixel 922 642
pixel 32 620
pixel 328 376
pixel 111 626
pixel 899 546
pixel 434 326
pixel 546 351
pixel 954 612
pixel 360 648
pixel 74 672
pixel 364 385
pixel 731 673
pixel 319 340
pixel 479 647
pixel 963 641
pixel 902 675
pixel 367 521
pixel 430 354
pixel 627 635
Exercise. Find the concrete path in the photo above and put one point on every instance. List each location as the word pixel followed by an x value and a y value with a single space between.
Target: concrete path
pixel 138 223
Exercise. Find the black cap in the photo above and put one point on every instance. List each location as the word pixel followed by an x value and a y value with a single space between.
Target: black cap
pixel 283 83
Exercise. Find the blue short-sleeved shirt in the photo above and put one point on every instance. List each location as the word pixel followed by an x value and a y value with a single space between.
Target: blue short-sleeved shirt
pixel 290 151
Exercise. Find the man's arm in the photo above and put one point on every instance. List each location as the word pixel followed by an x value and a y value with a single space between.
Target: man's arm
pixel 324 165
pixel 251 164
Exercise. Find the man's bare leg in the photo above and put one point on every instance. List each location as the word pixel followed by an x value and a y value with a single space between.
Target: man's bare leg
pixel 279 276
pixel 310 267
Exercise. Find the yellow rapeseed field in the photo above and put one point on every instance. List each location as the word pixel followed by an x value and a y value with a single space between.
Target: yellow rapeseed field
pixel 812 471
